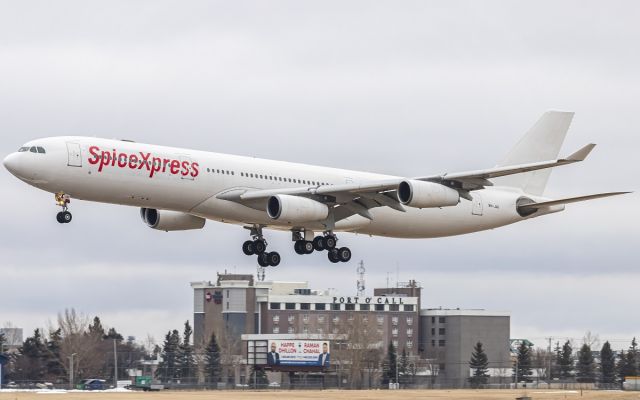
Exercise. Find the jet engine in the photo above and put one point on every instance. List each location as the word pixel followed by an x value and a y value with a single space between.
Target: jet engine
pixel 423 194
pixel 296 209
pixel 164 220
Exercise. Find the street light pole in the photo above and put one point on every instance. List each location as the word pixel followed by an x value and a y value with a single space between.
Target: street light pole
pixel 71 370
pixel 115 365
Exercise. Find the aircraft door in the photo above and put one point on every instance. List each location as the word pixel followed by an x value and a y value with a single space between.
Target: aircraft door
pixel 74 154
pixel 477 204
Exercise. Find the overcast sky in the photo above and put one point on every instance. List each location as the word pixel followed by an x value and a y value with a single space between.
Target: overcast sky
pixel 406 88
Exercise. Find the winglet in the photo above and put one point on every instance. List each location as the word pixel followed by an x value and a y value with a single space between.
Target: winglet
pixel 581 154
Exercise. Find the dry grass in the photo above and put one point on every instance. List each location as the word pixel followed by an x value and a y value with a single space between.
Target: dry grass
pixel 329 394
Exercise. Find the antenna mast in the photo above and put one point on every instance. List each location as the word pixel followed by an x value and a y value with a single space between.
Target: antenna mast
pixel 360 284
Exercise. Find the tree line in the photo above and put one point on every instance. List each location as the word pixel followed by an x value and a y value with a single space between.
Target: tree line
pixel 610 369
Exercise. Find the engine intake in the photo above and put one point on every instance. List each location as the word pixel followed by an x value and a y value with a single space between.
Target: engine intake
pixel 423 194
pixel 294 209
pixel 164 220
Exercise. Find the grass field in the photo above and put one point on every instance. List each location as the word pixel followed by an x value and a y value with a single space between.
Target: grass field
pixel 327 395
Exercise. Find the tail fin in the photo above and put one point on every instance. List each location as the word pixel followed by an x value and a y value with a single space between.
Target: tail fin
pixel 542 142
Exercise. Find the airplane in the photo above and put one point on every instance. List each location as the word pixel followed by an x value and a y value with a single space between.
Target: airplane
pixel 179 189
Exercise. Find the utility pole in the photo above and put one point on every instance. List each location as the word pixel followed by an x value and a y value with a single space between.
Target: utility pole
pixel 550 357
pixel 516 372
pixel 115 365
pixel 71 370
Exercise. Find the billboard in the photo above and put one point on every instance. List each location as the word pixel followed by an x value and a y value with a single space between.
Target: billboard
pixel 309 353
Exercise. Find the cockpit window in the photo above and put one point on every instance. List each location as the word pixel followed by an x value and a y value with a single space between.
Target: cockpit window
pixel 33 149
pixel 22 149
pixel 41 150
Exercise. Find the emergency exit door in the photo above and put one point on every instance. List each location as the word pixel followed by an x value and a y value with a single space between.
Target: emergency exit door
pixel 75 156
pixel 477 204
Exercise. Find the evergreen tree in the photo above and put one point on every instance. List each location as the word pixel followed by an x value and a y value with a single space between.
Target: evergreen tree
pixel 479 363
pixel 113 334
pixel 96 329
pixel 607 364
pixel 555 369
pixel 30 364
pixel 403 367
pixel 258 378
pixel 187 359
pixel 390 365
pixel 168 368
pixel 54 368
pixel 586 366
pixel 212 368
pixel 3 342
pixel 523 367
pixel 566 361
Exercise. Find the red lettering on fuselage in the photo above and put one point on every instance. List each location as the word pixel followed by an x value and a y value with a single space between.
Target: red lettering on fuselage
pixel 140 160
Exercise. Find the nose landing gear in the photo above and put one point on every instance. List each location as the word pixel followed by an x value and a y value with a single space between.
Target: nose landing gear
pixel 64 216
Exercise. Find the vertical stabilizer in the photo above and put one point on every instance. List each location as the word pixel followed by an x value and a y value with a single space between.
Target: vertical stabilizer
pixel 541 143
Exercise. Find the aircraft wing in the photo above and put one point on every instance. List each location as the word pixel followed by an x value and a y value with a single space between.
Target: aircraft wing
pixel 358 198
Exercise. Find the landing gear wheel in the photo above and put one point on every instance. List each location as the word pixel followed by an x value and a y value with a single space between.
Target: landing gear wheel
pixel 298 246
pixel 329 242
pixel 273 258
pixel 333 256
pixel 259 246
pixel 344 254
pixel 308 247
pixel 60 218
pixel 262 260
pixel 317 243
pixel 66 216
pixel 247 248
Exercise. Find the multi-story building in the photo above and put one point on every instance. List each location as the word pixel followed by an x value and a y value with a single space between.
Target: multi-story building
pixel 237 305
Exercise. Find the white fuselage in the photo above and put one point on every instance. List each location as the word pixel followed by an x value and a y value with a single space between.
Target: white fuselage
pixel 189 181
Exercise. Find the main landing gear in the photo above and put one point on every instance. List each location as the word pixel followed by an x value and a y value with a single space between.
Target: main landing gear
pixel 326 242
pixel 64 216
pixel 258 246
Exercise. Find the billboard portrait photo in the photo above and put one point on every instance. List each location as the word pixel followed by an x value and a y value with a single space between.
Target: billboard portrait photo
pixel 308 353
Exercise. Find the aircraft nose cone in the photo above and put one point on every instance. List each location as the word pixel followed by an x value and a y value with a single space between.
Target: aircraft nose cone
pixel 11 163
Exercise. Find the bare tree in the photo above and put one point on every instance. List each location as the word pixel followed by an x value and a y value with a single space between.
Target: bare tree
pixel 77 342
pixel 362 352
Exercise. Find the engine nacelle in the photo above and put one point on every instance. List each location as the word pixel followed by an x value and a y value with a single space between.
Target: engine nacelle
pixel 296 209
pixel 423 194
pixel 164 220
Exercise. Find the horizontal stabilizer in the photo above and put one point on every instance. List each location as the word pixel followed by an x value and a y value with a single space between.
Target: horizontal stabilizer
pixel 581 154
pixel 535 206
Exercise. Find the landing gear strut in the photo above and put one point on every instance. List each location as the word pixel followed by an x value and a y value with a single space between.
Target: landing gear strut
pixel 327 242
pixel 62 199
pixel 258 246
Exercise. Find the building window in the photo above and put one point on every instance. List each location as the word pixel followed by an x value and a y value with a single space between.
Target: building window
pixel 276 319
pixel 365 307
pixel 335 330
pixel 320 331
pixel 335 307
pixel 350 307
pixel 305 318
pixel 321 319
pixel 291 330
pixel 227 305
pixel 379 331
pixel 380 319
pixel 276 329
pixel 433 343
pixel 379 307
pixel 336 319
pixel 395 343
pixel 441 331
pixel 291 318
pixel 305 329
pixel 442 366
pixel 409 321
pixel 394 321
pixel 321 306
pixel 305 306
pixel 410 344
pixel 433 331
pixel 394 307
pixel 442 320
pixel 274 306
pixel 409 332
pixel 408 307
pixel 365 320
pixel 290 306
pixel 442 342
pixel 350 318
pixel 394 332
pixel 433 320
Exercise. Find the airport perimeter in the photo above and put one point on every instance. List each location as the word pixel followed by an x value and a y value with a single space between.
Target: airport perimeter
pixel 326 394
